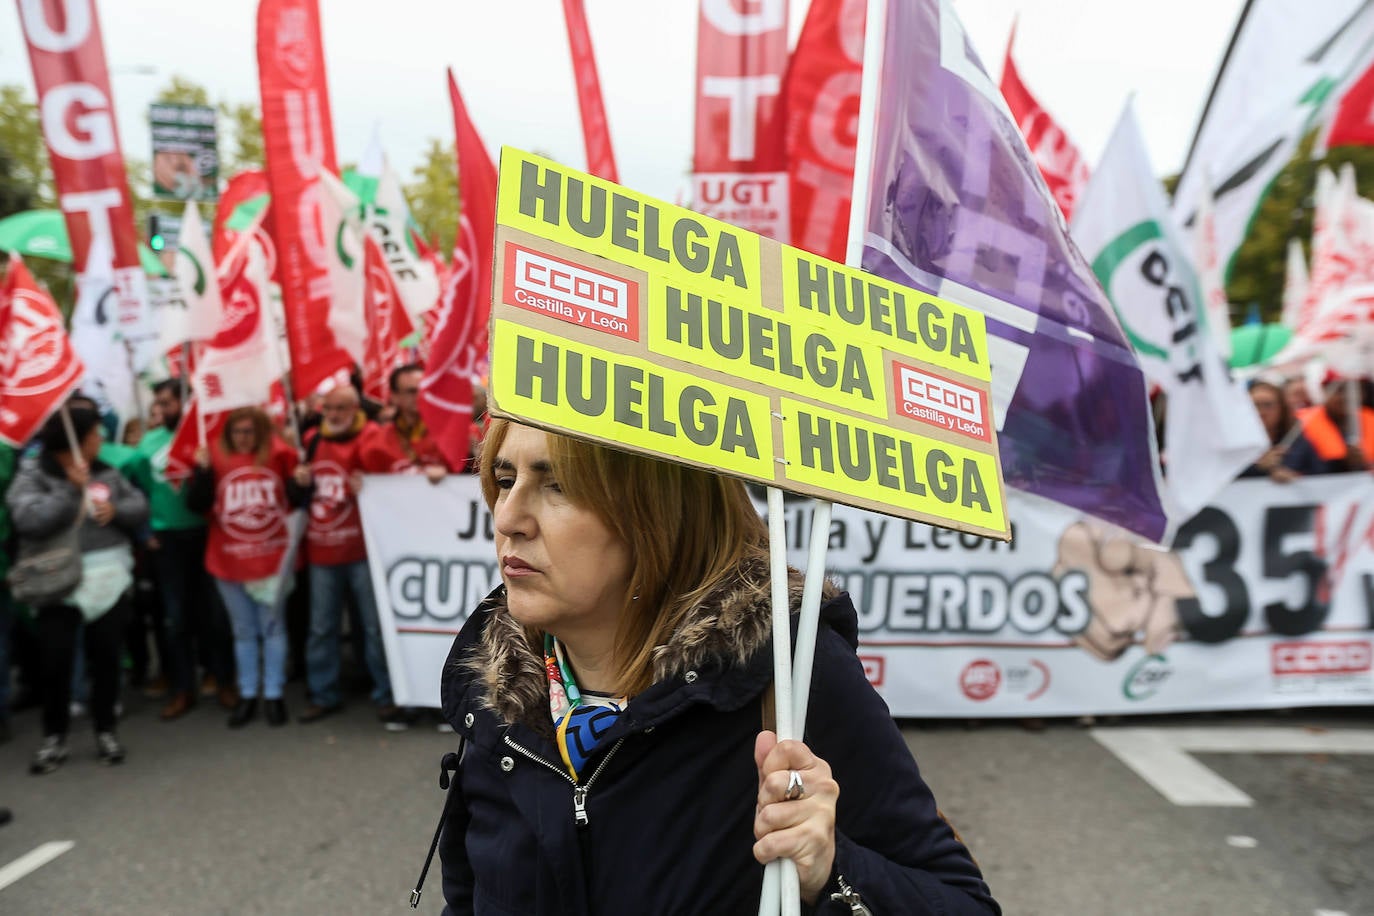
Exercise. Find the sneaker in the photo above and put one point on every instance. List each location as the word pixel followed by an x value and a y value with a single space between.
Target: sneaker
pixel 49 756
pixel 108 748
pixel 395 718
pixel 77 709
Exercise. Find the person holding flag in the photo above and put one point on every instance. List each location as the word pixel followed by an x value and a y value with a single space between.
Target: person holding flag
pixel 328 481
pixel 65 486
pixel 191 612
pixel 621 675
pixel 240 482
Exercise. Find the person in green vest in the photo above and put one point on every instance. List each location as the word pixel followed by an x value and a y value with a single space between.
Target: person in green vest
pixel 191 612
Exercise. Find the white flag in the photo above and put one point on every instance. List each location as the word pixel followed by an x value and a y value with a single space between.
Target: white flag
pixel 1295 283
pixel 95 335
pixel 1289 63
pixel 239 364
pixel 1217 310
pixel 195 274
pixel 1123 226
pixel 341 218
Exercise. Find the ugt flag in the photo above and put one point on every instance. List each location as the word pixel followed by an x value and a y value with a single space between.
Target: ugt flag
pixel 1124 227
pixel 38 365
pixel 957 207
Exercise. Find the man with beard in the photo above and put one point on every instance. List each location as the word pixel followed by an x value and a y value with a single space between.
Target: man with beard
pixel 191 611
pixel 403 443
pixel 328 481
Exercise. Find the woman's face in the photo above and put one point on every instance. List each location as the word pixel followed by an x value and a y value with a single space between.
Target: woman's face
pixel 565 570
pixel 90 446
pixel 1267 405
pixel 243 436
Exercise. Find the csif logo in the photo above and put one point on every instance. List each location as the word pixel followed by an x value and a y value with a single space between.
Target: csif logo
pixel 1146 677
pixel 574 293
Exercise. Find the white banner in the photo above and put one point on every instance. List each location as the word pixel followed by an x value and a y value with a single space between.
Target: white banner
pixel 1267 601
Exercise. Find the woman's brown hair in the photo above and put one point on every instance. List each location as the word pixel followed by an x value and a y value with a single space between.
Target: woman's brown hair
pixel 688 531
pixel 262 432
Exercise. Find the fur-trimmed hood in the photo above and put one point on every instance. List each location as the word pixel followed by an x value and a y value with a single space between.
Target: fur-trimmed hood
pixel 725 632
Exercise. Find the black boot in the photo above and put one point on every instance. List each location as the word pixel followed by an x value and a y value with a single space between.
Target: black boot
pixel 275 711
pixel 243 713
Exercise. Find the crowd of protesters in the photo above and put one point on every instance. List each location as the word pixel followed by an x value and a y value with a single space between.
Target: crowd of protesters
pixel 219 587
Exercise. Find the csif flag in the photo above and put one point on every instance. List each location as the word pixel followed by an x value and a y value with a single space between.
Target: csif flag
pixel 458 334
pixel 957 208
pixel 39 366
pixel 195 276
pixel 1123 225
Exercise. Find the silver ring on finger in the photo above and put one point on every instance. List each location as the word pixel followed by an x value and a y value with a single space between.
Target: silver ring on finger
pixel 795 787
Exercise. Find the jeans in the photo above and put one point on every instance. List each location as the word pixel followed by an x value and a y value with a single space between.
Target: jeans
pixel 58 628
pixel 327 585
pixel 191 611
pixel 254 622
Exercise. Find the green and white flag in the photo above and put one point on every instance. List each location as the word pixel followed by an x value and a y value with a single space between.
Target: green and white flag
pixel 388 222
pixel 195 277
pixel 1123 226
pixel 340 215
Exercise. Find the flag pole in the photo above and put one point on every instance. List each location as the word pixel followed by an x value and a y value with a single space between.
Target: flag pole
pixel 72 443
pixel 781 887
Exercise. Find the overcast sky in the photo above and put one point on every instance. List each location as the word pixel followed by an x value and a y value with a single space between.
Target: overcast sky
pixel 386 65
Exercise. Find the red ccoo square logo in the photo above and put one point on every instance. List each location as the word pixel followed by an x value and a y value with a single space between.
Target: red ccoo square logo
pixel 1309 658
pixel 874 666
pixel 570 292
pixel 938 401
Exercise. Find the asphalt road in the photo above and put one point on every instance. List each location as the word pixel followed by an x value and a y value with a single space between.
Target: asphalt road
pixel 335 817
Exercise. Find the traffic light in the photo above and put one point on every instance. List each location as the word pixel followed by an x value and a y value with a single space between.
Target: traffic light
pixel 156 241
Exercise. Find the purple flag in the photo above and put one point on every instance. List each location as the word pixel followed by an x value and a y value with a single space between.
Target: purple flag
pixel 957 208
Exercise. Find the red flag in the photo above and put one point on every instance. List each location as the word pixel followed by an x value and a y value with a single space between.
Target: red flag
pixel 68 59
pixel 822 98
pixel 38 367
pixel 1057 158
pixel 388 323
pixel 298 138
pixel 242 187
pixel 458 341
pixel 740 159
pixel 181 453
pixel 1353 123
pixel 596 130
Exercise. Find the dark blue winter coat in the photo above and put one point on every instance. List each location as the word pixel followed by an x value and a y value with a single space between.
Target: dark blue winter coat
pixel 669 810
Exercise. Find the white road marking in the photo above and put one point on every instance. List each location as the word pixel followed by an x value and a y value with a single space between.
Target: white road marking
pixel 32 861
pixel 1242 842
pixel 1330 913
pixel 1162 756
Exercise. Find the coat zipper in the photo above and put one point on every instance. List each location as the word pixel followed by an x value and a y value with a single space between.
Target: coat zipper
pixel 580 790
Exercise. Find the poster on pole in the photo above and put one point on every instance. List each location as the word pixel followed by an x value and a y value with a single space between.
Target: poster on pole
pixel 185 152
pixel 628 321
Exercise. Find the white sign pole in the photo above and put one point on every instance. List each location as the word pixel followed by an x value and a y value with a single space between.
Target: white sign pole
pixel 781 887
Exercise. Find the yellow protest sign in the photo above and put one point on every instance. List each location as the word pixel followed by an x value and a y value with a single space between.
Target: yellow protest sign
pixel 648 327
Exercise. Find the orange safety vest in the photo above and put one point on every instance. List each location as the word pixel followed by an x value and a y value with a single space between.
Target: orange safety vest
pixel 1328 439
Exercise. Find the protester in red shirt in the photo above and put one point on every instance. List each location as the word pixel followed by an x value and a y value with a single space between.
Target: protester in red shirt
pixel 403 442
pixel 329 480
pixel 240 479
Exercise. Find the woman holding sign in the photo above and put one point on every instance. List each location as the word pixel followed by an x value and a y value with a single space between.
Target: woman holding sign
pixel 613 697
